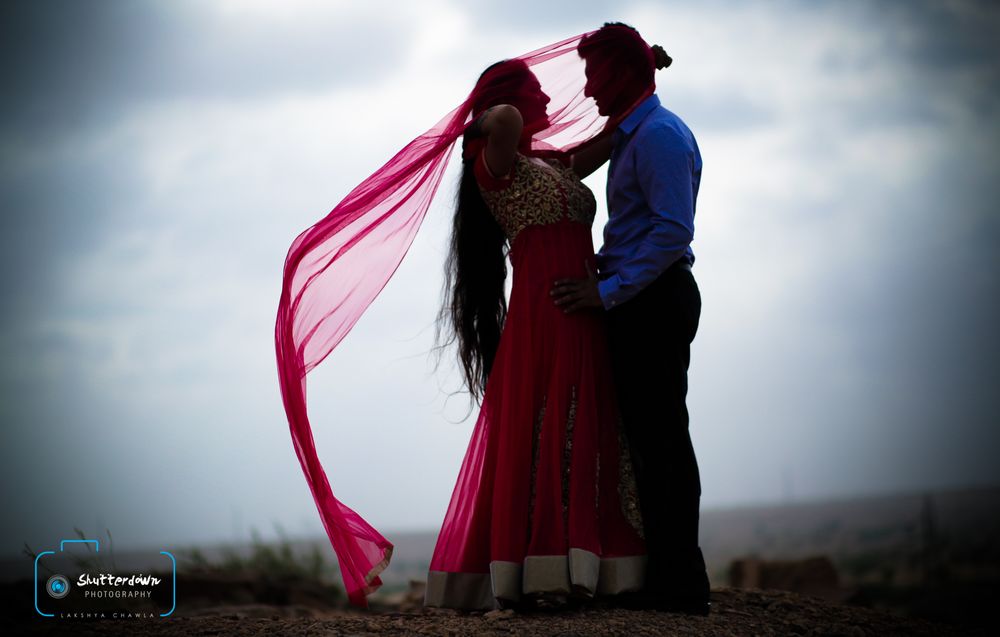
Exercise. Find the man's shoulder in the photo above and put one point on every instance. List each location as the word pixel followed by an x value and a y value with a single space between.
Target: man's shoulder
pixel 663 127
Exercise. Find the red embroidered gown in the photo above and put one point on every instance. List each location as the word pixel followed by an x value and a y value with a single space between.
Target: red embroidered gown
pixel 545 500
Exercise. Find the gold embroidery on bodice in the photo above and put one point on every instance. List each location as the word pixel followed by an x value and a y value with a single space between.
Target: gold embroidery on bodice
pixel 536 196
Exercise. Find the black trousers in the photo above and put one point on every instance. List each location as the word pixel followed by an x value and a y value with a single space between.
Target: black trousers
pixel 650 337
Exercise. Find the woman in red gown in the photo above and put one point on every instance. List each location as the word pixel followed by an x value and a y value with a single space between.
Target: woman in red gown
pixel 544 506
pixel 544 502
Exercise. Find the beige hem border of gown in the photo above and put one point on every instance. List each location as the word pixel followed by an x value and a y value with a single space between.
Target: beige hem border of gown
pixel 561 574
pixel 376 570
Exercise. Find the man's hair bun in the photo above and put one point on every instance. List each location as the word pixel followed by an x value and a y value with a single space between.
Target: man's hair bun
pixel 660 57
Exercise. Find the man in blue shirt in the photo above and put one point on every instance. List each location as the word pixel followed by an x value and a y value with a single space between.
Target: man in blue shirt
pixel 653 306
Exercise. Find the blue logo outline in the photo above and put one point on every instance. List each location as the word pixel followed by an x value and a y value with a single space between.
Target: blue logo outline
pixel 97 549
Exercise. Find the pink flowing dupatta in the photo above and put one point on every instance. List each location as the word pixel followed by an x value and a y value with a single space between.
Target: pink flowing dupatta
pixel 336 268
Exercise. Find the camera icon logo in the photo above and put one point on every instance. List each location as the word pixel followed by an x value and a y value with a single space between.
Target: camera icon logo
pixel 57 587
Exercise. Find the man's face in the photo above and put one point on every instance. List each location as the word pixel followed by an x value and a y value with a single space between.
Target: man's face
pixel 591 89
pixel 614 89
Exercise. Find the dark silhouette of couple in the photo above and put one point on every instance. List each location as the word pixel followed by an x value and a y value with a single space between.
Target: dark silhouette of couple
pixel 580 482
pixel 550 518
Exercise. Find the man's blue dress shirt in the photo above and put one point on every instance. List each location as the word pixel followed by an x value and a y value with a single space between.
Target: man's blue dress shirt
pixel 653 182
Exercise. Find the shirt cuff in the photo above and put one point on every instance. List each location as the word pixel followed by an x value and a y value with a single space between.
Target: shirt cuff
pixel 608 289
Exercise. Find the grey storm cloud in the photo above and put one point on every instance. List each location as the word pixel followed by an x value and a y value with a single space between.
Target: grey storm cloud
pixel 73 69
pixel 67 64
pixel 848 334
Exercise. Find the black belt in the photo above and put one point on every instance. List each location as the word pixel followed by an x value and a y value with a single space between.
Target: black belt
pixel 681 264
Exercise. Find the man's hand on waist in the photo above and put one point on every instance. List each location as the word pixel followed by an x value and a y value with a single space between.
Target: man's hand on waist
pixel 577 294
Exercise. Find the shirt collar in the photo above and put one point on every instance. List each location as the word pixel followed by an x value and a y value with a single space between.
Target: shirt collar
pixel 630 123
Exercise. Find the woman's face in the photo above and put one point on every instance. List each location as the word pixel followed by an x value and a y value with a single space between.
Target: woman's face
pixel 515 84
pixel 532 103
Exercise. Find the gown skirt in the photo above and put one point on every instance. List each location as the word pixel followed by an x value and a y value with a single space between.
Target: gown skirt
pixel 545 502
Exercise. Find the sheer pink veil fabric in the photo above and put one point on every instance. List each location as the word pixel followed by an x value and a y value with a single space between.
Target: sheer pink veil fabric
pixel 336 268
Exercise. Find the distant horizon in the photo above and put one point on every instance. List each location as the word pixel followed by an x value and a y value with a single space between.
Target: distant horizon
pixel 160 157
pixel 272 536
pixel 819 500
pixel 841 529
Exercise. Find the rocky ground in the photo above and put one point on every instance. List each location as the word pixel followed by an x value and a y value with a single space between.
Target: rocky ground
pixel 734 612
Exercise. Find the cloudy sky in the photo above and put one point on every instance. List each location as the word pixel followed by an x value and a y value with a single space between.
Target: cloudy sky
pixel 158 158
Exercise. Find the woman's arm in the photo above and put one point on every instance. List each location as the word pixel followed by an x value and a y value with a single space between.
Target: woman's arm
pixel 502 125
pixel 593 156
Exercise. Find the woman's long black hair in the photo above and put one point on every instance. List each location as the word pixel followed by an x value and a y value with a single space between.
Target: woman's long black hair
pixel 475 303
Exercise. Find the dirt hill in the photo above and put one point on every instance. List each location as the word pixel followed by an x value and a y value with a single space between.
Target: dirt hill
pixel 734 612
